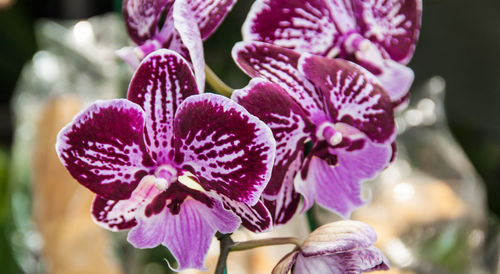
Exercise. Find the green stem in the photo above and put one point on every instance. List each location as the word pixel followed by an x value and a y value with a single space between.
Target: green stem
pixel 311 220
pixel 216 83
pixel 225 247
pixel 239 246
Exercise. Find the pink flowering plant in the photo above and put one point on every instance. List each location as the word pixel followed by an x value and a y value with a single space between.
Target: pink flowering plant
pixel 175 166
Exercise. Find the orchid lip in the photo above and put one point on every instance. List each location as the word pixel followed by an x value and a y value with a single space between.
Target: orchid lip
pixel 327 131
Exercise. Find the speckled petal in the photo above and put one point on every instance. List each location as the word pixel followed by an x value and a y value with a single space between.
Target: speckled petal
pixel 162 81
pixel 103 148
pixel 291 128
pixel 120 215
pixel 334 176
pixel 187 233
pixel 305 26
pixel 279 65
pixel 229 150
pixel 391 24
pixel 255 218
pixel 209 14
pixel 142 17
pixel 353 96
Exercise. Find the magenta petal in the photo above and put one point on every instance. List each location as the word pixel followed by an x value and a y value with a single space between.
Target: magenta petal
pixel 306 26
pixel 396 79
pixel 162 81
pixel 338 186
pixel 229 150
pixel 187 234
pixel 352 96
pixel 103 148
pixel 185 24
pixel 142 16
pixel 393 25
pixel 290 127
pixel 279 65
pixel 119 215
pixel 209 14
pixel 255 218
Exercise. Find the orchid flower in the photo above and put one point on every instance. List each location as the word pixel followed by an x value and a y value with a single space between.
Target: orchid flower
pixel 171 165
pixel 335 106
pixel 378 35
pixel 179 25
pixel 338 247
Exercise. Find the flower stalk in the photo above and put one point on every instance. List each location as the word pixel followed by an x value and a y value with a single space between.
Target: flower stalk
pixel 216 83
pixel 227 245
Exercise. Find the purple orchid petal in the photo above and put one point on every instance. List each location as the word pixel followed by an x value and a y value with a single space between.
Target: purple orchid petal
pixel 334 175
pixel 209 14
pixel 185 24
pixel 113 215
pixel 142 17
pixel 229 150
pixel 103 148
pixel 352 96
pixel 255 218
pixel 120 215
pixel 291 128
pixel 187 233
pixel 339 237
pixel 397 80
pixel 279 65
pixel 393 25
pixel 162 81
pixel 306 26
pixel 353 262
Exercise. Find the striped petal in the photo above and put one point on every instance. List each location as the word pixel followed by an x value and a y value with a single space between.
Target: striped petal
pixel 391 24
pixel 341 247
pixel 186 229
pixel 162 81
pixel 120 215
pixel 255 218
pixel 333 176
pixel 279 65
pixel 103 148
pixel 306 26
pixel 229 150
pixel 291 128
pixel 209 14
pixel 142 17
pixel 352 96
pixel 357 261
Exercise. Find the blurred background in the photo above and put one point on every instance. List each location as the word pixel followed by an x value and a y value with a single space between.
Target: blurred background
pixel 459 42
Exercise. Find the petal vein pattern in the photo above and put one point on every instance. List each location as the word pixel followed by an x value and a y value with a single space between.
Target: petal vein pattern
pixel 290 127
pixel 209 14
pixel 103 148
pixel 160 84
pixel 392 24
pixel 301 25
pixel 352 97
pixel 279 66
pixel 229 150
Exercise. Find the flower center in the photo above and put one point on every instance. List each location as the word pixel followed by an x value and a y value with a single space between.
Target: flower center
pixel 164 176
pixel 326 131
pixel 355 42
